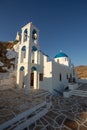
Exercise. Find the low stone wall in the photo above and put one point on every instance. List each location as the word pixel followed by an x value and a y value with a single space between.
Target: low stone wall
pixel 7 83
pixel 4 75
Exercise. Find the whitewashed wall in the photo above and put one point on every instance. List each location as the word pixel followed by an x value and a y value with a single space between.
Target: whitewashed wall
pixel 47 81
pixel 57 70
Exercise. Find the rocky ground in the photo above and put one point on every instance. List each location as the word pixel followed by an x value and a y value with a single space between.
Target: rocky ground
pixel 65 113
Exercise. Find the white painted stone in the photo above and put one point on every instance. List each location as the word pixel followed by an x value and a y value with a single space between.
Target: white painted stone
pixel 35 62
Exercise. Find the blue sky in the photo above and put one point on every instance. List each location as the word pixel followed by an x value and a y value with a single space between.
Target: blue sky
pixel 62 25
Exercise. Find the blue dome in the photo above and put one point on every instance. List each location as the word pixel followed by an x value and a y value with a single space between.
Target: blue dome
pixel 61 54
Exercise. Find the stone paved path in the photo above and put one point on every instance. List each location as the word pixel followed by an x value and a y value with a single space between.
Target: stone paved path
pixel 65 113
pixel 14 102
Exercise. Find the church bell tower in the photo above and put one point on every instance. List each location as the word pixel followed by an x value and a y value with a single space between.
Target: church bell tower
pixel 28 57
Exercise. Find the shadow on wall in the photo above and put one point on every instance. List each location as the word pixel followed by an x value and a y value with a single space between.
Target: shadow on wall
pixel 48 85
pixel 23 82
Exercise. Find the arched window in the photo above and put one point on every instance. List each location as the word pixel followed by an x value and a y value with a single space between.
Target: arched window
pixel 34 48
pixel 67 76
pixel 22 68
pixel 34 68
pixel 24 48
pixel 25 35
pixel 60 77
pixel 24 51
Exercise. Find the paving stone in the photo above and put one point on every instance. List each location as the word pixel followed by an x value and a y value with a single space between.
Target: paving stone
pixel 68 114
pixel 57 111
pixel 49 127
pixel 57 129
pixel 85 123
pixel 51 114
pixel 38 122
pixel 71 124
pixel 83 128
pixel 38 128
pixel 44 122
pixel 51 121
pixel 82 116
pixel 64 128
pixel 56 125
pixel 60 119
pixel 31 127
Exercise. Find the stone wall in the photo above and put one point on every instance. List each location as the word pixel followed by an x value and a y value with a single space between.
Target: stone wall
pixel 7 83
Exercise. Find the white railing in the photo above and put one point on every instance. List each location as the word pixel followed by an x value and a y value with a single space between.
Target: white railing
pixel 26 118
pixel 79 93
pixel 75 93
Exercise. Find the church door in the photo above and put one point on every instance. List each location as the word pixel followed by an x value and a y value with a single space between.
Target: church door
pixel 32 80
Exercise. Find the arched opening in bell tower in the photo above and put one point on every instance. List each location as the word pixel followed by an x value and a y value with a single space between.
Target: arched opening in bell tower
pixel 34 49
pixel 25 35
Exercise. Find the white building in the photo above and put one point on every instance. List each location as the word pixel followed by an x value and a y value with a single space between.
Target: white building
pixel 35 70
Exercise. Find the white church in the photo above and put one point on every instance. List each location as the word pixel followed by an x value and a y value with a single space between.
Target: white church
pixel 36 71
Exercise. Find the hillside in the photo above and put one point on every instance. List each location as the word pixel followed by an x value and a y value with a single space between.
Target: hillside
pixel 5 61
pixel 81 71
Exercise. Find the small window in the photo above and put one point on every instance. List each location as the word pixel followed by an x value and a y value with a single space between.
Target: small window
pixel 60 77
pixel 58 60
pixel 32 61
pixel 22 68
pixel 71 76
pixel 41 77
pixel 67 76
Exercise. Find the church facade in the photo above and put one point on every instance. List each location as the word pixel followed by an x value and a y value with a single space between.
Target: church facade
pixel 35 70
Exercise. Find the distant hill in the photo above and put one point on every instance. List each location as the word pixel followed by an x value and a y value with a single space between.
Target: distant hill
pixel 81 71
